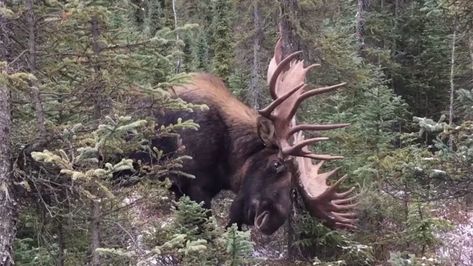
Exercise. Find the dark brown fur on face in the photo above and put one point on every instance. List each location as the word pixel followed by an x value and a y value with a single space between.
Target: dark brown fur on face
pixel 229 154
pixel 264 199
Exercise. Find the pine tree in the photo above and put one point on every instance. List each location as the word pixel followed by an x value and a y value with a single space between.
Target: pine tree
pixel 238 246
pixel 222 39
pixel 93 68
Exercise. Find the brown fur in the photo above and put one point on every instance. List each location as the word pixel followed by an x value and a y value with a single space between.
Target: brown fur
pixel 239 118
pixel 208 89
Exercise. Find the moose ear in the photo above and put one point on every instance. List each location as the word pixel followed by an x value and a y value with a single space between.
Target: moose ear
pixel 266 131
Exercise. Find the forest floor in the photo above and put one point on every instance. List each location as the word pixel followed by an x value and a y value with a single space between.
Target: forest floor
pixel 457 243
pixel 268 250
pixel 455 247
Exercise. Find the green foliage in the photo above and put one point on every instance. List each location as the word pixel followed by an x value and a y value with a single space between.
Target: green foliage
pixel 154 19
pixel 420 229
pixel 221 37
pixel 102 83
pixel 193 237
pixel 87 170
pixel 422 74
pixel 27 253
pixel 190 217
pixel 465 103
pixel 38 240
pixel 323 243
pixel 6 12
pixel 394 170
pixel 84 166
pixel 239 247
pixel 404 259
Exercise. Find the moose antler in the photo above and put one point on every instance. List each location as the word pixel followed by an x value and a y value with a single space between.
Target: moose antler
pixel 286 80
pixel 286 84
pixel 322 200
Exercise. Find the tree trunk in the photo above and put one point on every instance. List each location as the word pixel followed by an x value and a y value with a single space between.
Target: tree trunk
pixel 254 88
pixel 95 233
pixel 7 195
pixel 469 196
pixel 406 201
pixel 287 31
pixel 290 43
pixel 470 43
pixel 452 74
pixel 98 82
pixel 8 205
pixel 360 25
pixel 35 93
pixel 174 11
pixel 61 243
pixel 95 214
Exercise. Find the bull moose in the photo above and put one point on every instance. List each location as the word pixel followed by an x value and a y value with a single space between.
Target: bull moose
pixel 259 154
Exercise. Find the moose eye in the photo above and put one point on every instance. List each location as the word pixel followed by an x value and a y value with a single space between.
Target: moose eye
pixel 278 167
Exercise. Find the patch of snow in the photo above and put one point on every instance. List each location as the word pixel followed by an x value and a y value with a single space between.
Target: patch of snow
pixel 457 245
pixel 439 171
pixel 265 253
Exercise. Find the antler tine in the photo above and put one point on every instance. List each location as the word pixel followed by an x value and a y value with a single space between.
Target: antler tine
pixel 315 127
pixel 346 214
pixel 299 148
pixel 346 200
pixel 342 195
pixel 322 200
pixel 317 91
pixel 296 147
pixel 326 175
pixel 339 181
pixel 273 64
pixel 311 93
pixel 270 108
pixel 281 66
pixel 324 157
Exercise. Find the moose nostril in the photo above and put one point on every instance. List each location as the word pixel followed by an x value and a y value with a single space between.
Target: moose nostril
pixel 265 204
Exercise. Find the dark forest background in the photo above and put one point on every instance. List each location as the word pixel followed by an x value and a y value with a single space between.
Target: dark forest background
pixel 76 77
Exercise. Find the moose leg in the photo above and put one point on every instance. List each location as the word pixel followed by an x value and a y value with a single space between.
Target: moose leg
pixel 236 213
pixel 203 187
pixel 198 194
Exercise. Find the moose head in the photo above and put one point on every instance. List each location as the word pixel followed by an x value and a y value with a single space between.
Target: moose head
pixel 268 174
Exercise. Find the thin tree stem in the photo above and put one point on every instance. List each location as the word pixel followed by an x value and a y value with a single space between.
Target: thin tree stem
pixel 34 87
pixel 174 11
pixel 452 73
